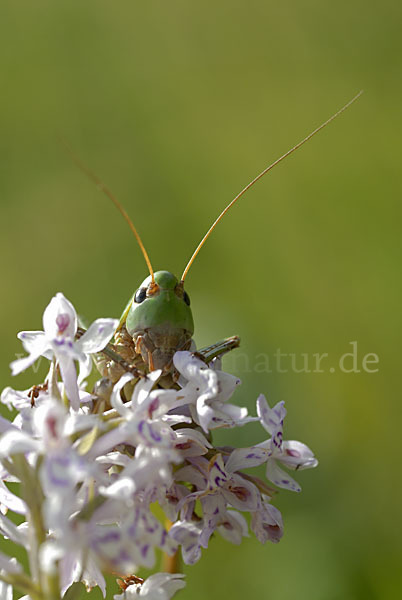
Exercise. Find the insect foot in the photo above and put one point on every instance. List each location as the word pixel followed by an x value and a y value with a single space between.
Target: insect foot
pixel 93 464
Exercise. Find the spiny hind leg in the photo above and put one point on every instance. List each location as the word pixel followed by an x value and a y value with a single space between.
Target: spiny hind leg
pixel 208 353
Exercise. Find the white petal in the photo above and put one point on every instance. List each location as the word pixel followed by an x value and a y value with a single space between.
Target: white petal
pixel 60 317
pixel 188 364
pixel 197 372
pixel 167 400
pixel 161 586
pixel 192 475
pixel 11 501
pixel 6 591
pixel 10 565
pixel 114 458
pixel 176 419
pixel 21 364
pixel 50 553
pixel 30 339
pixel 5 425
pixel 97 335
pixel 49 421
pixel 149 471
pixel 17 442
pixel 85 369
pixel 37 349
pixel 227 384
pixel 12 532
pixel 93 577
pixel 143 388
pixel 109 440
pixel 69 376
pixel 116 400
pixel 122 489
pixel 14 398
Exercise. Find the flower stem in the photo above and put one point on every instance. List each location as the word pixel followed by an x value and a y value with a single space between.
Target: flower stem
pixel 31 492
pixel 171 564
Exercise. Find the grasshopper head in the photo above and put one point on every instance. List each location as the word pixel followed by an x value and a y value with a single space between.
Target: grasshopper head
pixel 163 303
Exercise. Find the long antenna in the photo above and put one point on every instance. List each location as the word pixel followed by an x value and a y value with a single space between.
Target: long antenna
pixel 103 188
pixel 264 172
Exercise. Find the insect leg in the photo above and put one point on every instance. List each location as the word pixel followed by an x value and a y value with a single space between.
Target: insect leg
pixel 110 353
pixel 208 353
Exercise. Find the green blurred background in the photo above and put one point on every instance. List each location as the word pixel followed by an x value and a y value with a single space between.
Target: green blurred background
pixel 177 105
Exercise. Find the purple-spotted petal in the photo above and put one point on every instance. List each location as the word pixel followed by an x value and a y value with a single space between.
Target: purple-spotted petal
pixel 298 456
pixel 213 415
pixel 217 473
pixel 267 524
pixel 243 458
pixel 187 534
pixel 271 418
pixel 241 493
pixel 214 509
pixel 60 318
pixel 108 544
pixel 233 527
pixel 60 473
pixel 190 442
pixel 154 433
pixel 280 477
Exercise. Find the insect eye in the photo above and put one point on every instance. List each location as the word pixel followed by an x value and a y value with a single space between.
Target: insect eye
pixel 186 298
pixel 140 295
